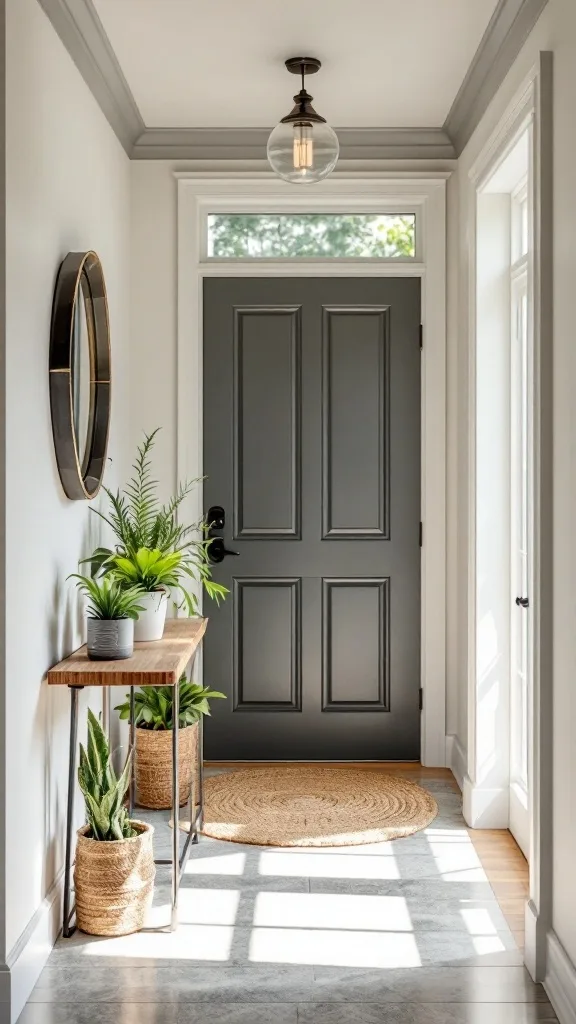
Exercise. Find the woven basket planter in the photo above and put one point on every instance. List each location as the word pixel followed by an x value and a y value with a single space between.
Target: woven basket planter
pixel 114 882
pixel 153 771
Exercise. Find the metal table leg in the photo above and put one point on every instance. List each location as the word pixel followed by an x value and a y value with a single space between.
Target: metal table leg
pixel 67 931
pixel 132 748
pixel 175 807
pixel 199 823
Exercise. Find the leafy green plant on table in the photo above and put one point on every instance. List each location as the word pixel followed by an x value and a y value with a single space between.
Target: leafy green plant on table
pixel 108 599
pixel 154 706
pixel 151 571
pixel 142 524
pixel 103 791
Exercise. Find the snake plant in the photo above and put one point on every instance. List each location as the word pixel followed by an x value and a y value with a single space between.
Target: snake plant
pixel 154 705
pixel 103 791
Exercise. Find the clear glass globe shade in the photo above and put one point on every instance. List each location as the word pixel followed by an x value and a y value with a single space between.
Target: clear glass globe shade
pixel 303 152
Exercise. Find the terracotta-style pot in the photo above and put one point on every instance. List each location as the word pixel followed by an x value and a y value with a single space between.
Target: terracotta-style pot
pixel 153 766
pixel 114 882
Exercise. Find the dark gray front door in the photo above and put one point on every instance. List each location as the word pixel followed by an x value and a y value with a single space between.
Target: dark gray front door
pixel 312 447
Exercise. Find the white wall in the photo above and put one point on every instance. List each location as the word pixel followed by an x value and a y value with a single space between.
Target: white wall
pixel 68 184
pixel 555 31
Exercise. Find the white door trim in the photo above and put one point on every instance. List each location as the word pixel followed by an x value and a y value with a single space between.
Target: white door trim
pixel 426 195
pixel 532 106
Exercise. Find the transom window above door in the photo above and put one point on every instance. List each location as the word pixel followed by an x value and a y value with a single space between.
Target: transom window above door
pixel 317 236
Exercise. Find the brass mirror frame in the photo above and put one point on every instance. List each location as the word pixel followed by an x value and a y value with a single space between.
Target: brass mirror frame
pixel 81 477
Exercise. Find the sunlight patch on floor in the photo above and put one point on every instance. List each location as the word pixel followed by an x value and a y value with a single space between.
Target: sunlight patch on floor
pixel 478 921
pixel 327 865
pixel 319 910
pixel 333 948
pixel 459 858
pixel 223 864
pixel 483 944
pixel 189 942
pixel 449 835
pixel 465 875
pixel 200 906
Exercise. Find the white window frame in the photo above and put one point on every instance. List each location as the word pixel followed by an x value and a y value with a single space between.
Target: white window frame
pixel 350 192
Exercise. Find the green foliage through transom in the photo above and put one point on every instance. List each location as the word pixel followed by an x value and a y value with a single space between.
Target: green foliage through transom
pixel 318 236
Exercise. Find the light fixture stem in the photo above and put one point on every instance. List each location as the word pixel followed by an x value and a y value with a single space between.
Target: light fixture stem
pixel 302 78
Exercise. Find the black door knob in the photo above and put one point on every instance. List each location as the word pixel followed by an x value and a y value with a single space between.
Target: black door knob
pixel 217 550
pixel 522 602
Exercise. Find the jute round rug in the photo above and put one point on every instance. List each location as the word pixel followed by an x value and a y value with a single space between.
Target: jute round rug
pixel 309 806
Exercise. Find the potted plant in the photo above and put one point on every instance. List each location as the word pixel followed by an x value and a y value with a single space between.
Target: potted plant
pixel 152 548
pixel 155 574
pixel 114 869
pixel 154 708
pixel 110 617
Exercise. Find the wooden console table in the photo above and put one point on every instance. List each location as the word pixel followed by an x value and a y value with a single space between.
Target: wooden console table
pixel 156 663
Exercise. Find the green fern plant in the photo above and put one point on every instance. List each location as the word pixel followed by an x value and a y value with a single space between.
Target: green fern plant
pixel 154 705
pixel 108 599
pixel 103 791
pixel 150 570
pixel 140 522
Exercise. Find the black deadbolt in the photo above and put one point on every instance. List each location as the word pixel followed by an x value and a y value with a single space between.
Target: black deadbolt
pixel 216 519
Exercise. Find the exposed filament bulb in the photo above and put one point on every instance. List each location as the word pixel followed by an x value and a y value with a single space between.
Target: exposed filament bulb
pixel 303 147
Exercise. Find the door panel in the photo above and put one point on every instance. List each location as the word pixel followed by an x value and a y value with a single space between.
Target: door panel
pixel 267 403
pixel 312 446
pixel 267 651
pixel 357 607
pixel 355 422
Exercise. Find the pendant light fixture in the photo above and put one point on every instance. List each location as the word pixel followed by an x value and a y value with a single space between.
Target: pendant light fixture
pixel 303 148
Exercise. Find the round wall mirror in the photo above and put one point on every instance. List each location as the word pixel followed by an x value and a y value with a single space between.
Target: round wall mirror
pixel 80 374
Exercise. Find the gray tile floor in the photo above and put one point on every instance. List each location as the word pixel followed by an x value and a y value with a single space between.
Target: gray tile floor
pixel 407 932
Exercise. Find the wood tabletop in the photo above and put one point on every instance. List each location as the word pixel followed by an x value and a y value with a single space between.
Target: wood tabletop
pixel 154 663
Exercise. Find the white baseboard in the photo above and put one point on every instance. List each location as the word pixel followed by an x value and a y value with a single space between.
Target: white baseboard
pixel 28 957
pixel 560 981
pixel 536 942
pixel 484 807
pixel 456 759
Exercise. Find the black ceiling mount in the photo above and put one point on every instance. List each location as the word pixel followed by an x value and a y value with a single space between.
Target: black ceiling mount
pixel 303 65
pixel 303 112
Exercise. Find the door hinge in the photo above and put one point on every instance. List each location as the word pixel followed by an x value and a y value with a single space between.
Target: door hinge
pixel 420 534
pixel 421 336
pixel 420 699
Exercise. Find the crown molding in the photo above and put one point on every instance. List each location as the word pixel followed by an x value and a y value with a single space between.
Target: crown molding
pixel 507 31
pixel 250 144
pixel 80 29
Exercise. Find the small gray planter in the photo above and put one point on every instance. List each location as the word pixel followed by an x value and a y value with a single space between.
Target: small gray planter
pixel 110 639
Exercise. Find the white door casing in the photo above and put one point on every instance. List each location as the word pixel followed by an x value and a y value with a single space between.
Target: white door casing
pixel 369 192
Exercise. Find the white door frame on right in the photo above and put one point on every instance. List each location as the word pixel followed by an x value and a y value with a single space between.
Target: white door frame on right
pixel 485 807
pixel 521 508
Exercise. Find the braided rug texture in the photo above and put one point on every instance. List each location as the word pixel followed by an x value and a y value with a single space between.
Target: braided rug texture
pixel 309 806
